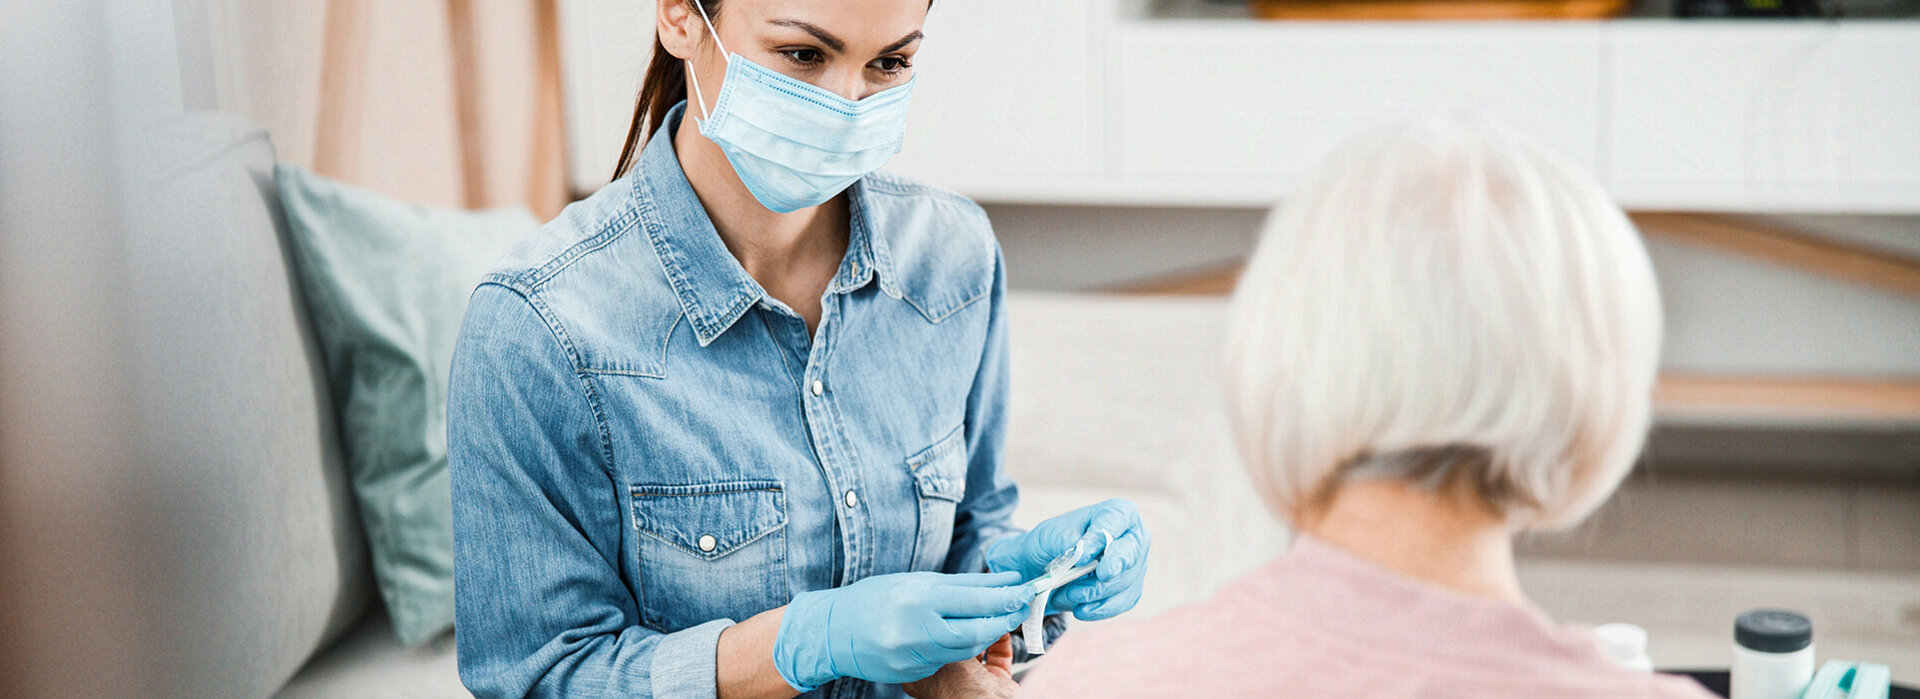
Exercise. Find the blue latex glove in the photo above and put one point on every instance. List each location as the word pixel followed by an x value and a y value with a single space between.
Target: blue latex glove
pixel 895 628
pixel 1113 587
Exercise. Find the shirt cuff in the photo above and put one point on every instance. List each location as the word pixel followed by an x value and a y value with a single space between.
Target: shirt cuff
pixel 686 664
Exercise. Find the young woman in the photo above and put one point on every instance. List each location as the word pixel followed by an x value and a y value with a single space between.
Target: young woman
pixel 732 426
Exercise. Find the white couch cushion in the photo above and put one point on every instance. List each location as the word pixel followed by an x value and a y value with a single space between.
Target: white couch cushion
pixel 370 662
pixel 259 557
pixel 1121 396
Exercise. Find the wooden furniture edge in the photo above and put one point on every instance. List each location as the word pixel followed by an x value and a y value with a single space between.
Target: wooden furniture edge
pixel 1779 245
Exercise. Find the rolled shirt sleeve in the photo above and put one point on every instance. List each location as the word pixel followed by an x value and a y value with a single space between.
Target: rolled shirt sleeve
pixel 685 664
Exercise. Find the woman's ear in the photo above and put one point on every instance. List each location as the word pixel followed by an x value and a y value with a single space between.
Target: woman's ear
pixel 679 27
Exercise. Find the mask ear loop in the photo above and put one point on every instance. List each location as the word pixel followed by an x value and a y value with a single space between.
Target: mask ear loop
pixel 701 5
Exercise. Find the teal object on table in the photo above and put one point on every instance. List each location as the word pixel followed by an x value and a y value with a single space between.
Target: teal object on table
pixel 1840 679
pixel 387 283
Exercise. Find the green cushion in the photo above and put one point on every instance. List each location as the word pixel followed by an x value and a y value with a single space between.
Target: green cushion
pixel 387 285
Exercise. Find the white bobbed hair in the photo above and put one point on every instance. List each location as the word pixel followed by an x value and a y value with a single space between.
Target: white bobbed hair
pixel 1446 302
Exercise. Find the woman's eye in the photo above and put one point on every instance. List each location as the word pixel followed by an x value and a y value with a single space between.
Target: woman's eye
pixel 891 64
pixel 804 57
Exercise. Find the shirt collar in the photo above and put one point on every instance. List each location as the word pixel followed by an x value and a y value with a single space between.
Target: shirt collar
pixel 713 289
pixel 867 255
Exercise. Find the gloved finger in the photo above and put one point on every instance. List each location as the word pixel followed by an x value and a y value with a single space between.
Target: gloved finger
pixel 1109 607
pixel 971 637
pixel 1090 589
pixel 1022 553
pixel 1091 545
pixel 1111 520
pixel 1127 552
pixel 953 601
pixel 1000 579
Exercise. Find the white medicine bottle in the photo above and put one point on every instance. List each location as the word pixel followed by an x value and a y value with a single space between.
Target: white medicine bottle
pixel 1772 655
pixel 1625 644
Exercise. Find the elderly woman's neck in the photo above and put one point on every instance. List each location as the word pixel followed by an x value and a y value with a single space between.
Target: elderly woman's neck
pixel 1424 536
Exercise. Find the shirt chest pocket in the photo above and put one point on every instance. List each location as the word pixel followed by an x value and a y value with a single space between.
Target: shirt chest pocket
pixel 940 481
pixel 709 551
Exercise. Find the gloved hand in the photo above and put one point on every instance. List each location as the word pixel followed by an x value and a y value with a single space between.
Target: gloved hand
pixel 895 628
pixel 1113 587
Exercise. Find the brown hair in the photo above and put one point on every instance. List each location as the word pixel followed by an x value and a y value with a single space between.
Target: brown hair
pixel 663 87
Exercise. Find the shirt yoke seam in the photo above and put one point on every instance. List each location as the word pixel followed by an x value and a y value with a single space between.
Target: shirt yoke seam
pixel 666 342
pixel 931 317
pixel 896 186
pixel 538 276
pixel 559 333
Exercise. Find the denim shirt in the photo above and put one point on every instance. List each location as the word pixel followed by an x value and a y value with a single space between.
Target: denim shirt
pixel 645 447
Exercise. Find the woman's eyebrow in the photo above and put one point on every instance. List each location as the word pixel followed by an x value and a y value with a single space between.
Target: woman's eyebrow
pixel 825 37
pixel 902 43
pixel 834 42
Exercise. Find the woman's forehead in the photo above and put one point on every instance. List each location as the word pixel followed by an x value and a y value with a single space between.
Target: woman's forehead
pixel 856 22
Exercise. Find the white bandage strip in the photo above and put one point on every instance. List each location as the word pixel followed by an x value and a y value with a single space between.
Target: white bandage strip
pixel 1052 581
pixel 1033 630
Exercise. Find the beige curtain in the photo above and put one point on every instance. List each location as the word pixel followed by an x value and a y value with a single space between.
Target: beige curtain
pixel 444 102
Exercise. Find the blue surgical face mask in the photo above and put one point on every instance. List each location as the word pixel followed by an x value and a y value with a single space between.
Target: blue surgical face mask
pixel 793 144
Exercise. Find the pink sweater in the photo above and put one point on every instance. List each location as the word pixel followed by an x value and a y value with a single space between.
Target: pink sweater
pixel 1319 622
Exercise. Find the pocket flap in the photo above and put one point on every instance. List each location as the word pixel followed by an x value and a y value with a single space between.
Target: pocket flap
pixel 940 471
pixel 709 520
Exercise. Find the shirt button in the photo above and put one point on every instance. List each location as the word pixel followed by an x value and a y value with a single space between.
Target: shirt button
pixel 854 268
pixel 852 500
pixel 707 542
pixel 818 387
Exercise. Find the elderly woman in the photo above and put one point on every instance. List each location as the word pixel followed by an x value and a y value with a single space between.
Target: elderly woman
pixel 1448 336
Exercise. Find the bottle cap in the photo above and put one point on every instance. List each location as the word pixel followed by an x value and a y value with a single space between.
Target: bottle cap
pixel 1773 631
pixel 1625 643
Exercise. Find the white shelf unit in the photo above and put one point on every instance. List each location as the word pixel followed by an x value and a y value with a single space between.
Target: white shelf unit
pixel 1773 117
pixel 1113 102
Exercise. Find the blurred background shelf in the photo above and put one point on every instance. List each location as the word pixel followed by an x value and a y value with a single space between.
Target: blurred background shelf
pixel 1701 399
pixel 1737 360
pixel 1802 10
pixel 1129 102
pixel 1770 400
pixel 1376 10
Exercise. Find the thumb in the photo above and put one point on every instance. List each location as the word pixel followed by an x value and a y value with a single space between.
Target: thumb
pixel 1026 552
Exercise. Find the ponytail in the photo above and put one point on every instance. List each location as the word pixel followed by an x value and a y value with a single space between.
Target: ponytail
pixel 664 86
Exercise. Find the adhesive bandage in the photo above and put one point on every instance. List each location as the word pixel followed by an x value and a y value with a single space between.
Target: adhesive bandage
pixel 1059 572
